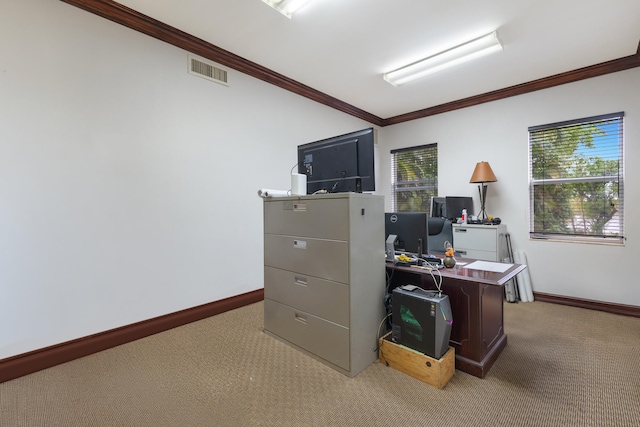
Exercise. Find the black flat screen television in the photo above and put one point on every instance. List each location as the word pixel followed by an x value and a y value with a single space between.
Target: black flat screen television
pixel 411 230
pixel 340 164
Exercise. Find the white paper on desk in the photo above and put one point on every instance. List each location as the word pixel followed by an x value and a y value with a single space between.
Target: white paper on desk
pixel 497 267
pixel 265 193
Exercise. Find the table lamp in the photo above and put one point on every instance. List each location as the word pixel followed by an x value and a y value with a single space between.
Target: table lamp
pixel 481 175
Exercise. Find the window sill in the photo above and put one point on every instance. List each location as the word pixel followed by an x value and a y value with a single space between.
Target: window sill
pixel 592 240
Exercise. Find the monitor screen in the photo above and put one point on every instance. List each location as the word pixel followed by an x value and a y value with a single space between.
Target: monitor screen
pixel 438 207
pixel 455 205
pixel 411 231
pixel 340 164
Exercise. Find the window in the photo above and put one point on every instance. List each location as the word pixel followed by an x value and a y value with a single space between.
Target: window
pixel 576 180
pixel 414 178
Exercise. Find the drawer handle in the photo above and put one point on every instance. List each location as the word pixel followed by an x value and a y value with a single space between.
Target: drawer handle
pixel 460 230
pixel 462 252
pixel 300 244
pixel 300 318
pixel 300 281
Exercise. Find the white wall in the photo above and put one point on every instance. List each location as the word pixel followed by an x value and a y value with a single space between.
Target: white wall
pixel 128 188
pixel 497 132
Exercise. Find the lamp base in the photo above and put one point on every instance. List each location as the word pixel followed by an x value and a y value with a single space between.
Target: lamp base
pixel 482 189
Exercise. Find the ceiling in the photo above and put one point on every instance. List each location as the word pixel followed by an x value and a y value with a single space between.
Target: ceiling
pixel 342 47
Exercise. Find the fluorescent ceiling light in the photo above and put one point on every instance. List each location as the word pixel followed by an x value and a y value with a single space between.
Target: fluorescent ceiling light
pixel 287 7
pixel 456 55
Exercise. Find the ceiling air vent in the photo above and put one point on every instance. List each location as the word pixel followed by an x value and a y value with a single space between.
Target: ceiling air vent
pixel 207 70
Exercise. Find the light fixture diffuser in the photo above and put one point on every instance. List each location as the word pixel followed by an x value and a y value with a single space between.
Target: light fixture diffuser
pixel 287 7
pixel 456 55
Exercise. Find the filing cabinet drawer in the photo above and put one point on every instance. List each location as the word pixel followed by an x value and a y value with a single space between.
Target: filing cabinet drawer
pixel 474 238
pixel 475 254
pixel 320 218
pixel 326 340
pixel 323 298
pixel 328 259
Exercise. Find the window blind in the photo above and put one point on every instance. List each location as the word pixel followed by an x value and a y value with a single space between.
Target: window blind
pixel 414 178
pixel 576 175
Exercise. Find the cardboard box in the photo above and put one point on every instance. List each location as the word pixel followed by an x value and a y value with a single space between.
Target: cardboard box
pixel 436 372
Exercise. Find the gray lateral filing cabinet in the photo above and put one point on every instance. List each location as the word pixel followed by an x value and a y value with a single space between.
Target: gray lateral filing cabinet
pixel 480 241
pixel 324 276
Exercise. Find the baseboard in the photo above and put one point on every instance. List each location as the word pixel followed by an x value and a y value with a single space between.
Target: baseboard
pixel 622 309
pixel 27 363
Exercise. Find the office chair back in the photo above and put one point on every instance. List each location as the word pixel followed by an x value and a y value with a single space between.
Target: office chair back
pixel 440 231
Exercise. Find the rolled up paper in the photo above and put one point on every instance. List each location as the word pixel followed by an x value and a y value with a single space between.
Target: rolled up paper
pixel 265 193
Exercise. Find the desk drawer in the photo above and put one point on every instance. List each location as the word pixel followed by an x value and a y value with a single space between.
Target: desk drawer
pixel 325 219
pixel 327 259
pixel 325 339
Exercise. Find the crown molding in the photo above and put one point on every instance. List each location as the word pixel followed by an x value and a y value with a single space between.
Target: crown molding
pixel 601 69
pixel 137 21
pixel 144 24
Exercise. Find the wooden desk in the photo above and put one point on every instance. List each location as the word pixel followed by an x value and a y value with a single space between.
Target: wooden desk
pixel 476 298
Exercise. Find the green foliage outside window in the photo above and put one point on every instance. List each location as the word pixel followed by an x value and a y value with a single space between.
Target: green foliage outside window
pixel 576 178
pixel 414 178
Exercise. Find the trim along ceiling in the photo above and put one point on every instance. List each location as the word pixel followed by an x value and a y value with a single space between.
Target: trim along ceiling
pixel 335 52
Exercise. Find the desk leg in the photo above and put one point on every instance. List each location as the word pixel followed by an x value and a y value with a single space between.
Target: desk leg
pixel 480 368
pixel 478 318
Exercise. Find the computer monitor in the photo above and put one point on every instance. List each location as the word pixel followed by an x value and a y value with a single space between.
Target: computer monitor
pixel 411 230
pixel 438 207
pixel 455 205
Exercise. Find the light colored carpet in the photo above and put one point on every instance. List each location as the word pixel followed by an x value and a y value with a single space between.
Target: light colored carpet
pixel 562 366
